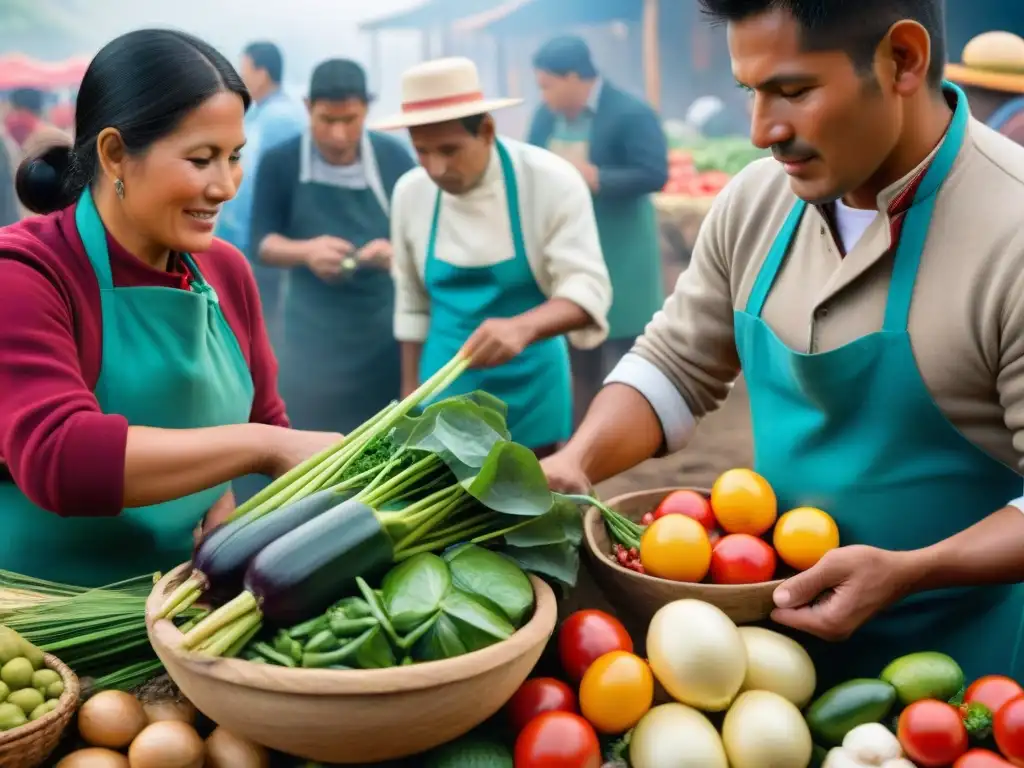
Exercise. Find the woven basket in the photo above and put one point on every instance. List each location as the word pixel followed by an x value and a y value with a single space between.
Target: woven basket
pixel 30 745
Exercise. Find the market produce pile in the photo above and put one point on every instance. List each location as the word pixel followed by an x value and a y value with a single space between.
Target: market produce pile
pixel 723 539
pixel 401 487
pixel 742 697
pixel 28 690
pixel 703 166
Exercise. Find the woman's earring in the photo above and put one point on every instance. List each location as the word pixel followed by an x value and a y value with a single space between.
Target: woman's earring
pixel 119 188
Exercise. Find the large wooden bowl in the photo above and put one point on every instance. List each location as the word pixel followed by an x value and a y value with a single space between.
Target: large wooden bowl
pixel 643 595
pixel 353 716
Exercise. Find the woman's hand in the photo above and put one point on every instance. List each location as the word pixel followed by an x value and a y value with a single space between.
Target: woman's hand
pixel 289 447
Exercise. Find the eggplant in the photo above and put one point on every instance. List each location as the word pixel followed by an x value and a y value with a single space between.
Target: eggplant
pixel 306 571
pixel 225 553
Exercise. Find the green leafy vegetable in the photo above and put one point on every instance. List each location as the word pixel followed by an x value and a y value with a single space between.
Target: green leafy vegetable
pixel 493 579
pixel 413 591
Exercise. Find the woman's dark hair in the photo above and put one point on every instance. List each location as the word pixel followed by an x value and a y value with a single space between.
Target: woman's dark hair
pixel 143 84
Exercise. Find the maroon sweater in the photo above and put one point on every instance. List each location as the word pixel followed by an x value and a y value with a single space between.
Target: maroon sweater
pixel 61 450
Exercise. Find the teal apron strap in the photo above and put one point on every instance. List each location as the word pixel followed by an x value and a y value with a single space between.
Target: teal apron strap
pixel 914 232
pixel 199 284
pixel 773 262
pixel 94 238
pixel 512 200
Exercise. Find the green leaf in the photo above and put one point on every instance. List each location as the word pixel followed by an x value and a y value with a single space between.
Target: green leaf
pixel 441 642
pixel 466 609
pixel 492 578
pixel 560 562
pixel 413 591
pixel 457 429
pixel 562 523
pixel 376 652
pixel 511 481
pixel 352 608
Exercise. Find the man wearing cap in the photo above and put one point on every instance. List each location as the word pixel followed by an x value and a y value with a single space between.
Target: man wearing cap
pixel 496 253
pixel 616 142
pixel 992 74
pixel 321 212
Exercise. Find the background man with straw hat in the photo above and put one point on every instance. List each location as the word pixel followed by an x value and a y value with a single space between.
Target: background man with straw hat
pixel 495 251
pixel 992 74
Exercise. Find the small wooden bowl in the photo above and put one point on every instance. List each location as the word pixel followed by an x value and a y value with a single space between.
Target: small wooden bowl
pixel 353 716
pixel 643 595
pixel 31 744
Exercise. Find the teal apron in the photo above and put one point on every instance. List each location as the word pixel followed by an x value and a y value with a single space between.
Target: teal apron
pixel 170 360
pixel 536 384
pixel 630 241
pixel 855 432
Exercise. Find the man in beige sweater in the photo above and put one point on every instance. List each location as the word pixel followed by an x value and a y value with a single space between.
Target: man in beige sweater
pixel 869 281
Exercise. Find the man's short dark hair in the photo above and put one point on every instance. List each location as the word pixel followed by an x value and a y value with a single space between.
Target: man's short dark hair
pixel 29 99
pixel 566 55
pixel 267 56
pixel 339 80
pixel 845 25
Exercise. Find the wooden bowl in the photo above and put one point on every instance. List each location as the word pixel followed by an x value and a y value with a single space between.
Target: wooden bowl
pixel 643 595
pixel 29 745
pixel 353 716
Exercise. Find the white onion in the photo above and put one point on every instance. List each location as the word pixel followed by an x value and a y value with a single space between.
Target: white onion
pixel 697 654
pixel 676 736
pixel 778 664
pixel 763 729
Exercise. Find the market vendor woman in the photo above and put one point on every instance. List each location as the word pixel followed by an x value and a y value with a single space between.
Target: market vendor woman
pixel 136 378
pixel 868 280
pixel 496 253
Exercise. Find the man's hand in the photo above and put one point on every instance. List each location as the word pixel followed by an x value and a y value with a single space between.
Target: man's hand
pixel 377 253
pixel 215 516
pixel 565 474
pixel 329 257
pixel 590 175
pixel 846 588
pixel 497 341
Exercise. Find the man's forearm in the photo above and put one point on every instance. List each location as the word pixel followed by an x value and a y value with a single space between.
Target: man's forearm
pixel 280 251
pixel 989 552
pixel 619 431
pixel 555 317
pixel 411 352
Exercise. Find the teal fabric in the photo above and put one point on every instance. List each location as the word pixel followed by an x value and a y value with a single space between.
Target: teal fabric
pixel 855 432
pixel 170 360
pixel 536 384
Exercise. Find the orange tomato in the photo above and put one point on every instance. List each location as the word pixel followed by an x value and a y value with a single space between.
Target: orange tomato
pixel 803 536
pixel 743 502
pixel 616 691
pixel 676 547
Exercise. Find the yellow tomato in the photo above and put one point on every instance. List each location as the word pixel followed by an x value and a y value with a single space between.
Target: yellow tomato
pixel 616 691
pixel 676 547
pixel 743 502
pixel 803 536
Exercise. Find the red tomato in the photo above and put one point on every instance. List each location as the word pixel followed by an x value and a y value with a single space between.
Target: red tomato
pixel 740 558
pixel 586 636
pixel 932 733
pixel 1008 728
pixel 558 740
pixel 981 758
pixel 689 503
pixel 993 691
pixel 536 696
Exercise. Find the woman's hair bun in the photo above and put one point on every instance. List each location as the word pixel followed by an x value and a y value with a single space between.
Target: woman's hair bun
pixel 42 177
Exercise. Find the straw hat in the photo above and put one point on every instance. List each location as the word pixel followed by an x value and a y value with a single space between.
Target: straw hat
pixel 441 90
pixel 993 60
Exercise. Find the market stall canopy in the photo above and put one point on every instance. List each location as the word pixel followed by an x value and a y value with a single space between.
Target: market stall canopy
pixel 525 17
pixel 430 13
pixel 20 71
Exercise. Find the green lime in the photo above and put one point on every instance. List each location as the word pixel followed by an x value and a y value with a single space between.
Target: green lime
pixel 924 675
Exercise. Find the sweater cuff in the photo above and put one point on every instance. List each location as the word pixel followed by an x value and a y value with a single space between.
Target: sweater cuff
pixel 90 474
pixel 412 327
pixel 677 420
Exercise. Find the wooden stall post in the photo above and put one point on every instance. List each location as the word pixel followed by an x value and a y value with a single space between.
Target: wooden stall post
pixel 652 59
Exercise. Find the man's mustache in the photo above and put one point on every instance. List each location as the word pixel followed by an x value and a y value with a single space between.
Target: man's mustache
pixel 793 151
